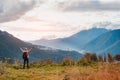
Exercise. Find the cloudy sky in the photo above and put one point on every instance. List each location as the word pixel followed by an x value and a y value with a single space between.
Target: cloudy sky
pixel 49 19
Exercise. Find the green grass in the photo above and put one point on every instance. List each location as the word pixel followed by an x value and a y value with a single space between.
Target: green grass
pixel 102 71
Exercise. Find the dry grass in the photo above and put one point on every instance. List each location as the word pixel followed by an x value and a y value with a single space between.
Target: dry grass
pixel 102 71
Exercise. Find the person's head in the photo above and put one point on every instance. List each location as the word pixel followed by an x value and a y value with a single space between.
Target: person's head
pixel 25 48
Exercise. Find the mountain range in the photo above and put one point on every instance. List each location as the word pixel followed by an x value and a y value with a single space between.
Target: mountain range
pixel 74 42
pixel 94 40
pixel 9 47
pixel 108 42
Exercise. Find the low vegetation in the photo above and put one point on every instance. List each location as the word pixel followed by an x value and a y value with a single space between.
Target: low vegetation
pixel 90 67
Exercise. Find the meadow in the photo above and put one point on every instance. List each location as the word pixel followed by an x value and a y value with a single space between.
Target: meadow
pixel 96 71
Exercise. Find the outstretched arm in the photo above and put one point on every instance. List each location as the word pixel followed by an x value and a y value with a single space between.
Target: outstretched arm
pixel 30 49
pixel 21 49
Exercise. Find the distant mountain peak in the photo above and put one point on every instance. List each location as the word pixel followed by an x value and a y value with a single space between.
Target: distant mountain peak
pixel 5 33
pixel 74 42
pixel 105 42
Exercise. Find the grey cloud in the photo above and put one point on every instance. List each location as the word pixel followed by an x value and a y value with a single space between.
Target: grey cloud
pixel 14 9
pixel 89 6
pixel 1 8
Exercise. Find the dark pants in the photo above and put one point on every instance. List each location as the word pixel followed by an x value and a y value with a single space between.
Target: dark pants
pixel 26 60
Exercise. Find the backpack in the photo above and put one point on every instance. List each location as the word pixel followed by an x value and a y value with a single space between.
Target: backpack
pixel 25 55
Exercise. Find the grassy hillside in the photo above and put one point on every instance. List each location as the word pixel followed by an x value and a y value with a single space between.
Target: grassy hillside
pixel 100 71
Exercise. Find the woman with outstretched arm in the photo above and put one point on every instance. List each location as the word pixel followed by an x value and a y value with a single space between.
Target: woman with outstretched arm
pixel 26 56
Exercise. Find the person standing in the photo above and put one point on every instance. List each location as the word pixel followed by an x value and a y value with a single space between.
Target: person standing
pixel 26 56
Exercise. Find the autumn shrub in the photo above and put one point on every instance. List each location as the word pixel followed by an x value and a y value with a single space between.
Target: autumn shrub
pixel 117 57
pixel 67 62
pixel 2 68
pixel 89 59
pixel 110 58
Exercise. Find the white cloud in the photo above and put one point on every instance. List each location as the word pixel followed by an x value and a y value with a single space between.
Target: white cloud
pixel 33 19
pixel 108 25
